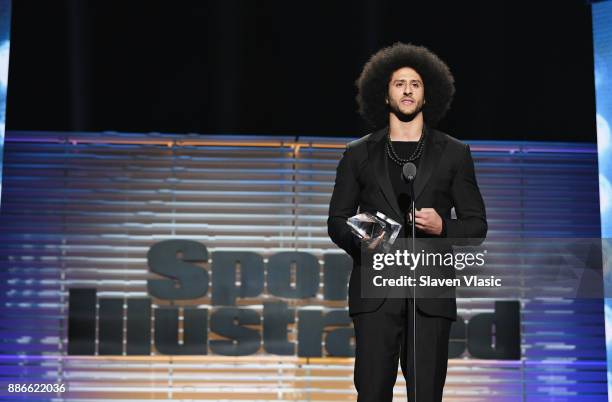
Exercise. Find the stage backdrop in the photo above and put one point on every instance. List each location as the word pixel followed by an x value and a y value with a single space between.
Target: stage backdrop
pixel 5 30
pixel 602 47
pixel 150 266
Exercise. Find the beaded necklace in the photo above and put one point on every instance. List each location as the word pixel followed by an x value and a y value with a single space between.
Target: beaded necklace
pixel 418 151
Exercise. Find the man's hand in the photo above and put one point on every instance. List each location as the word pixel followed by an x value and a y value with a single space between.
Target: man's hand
pixel 427 220
pixel 372 243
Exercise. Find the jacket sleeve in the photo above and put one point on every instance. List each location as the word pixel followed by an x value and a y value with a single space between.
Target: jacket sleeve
pixel 344 203
pixel 471 222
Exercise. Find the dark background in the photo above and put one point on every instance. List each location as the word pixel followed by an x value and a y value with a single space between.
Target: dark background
pixel 523 70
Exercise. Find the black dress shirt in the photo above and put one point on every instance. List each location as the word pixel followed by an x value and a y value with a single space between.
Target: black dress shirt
pixel 402 191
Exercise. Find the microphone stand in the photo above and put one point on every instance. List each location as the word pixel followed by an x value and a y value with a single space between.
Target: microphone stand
pixel 413 236
pixel 409 172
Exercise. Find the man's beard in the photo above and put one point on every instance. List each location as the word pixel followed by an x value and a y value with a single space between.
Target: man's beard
pixel 406 117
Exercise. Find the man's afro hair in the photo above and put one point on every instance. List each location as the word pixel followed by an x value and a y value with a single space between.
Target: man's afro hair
pixel 373 82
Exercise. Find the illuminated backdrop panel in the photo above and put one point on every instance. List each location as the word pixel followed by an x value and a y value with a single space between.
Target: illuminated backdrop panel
pixel 86 215
pixel 5 30
pixel 602 44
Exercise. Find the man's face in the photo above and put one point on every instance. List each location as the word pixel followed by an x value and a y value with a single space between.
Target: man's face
pixel 406 94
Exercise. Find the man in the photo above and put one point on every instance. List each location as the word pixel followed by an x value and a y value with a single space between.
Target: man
pixel 404 90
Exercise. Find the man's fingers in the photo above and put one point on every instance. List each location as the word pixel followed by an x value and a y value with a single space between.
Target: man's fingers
pixel 424 219
pixel 373 242
pixel 420 221
pixel 425 212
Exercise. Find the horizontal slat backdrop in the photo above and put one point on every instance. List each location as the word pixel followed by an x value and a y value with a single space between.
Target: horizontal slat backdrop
pixel 82 210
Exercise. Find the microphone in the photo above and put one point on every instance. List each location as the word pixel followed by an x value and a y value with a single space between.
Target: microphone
pixel 409 172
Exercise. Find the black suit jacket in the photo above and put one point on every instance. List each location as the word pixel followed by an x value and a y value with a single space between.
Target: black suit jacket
pixel 445 179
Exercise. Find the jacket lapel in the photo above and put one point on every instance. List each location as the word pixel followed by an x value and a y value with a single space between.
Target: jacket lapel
pixel 434 145
pixel 378 159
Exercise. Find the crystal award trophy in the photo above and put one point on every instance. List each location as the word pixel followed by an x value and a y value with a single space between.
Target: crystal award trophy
pixel 366 226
